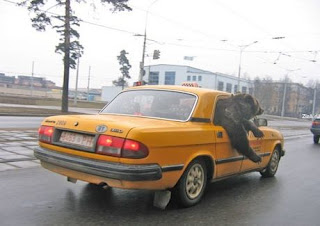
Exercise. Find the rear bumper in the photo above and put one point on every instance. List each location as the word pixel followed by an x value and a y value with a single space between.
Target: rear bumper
pixel 109 170
pixel 315 131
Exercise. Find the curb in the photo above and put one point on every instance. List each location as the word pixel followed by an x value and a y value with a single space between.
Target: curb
pixel 297 136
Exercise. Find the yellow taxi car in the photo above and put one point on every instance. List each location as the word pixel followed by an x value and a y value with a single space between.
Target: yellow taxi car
pixel 155 138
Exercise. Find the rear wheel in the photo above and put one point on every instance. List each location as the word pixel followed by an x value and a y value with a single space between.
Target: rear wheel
pixel 316 139
pixel 192 184
pixel 272 167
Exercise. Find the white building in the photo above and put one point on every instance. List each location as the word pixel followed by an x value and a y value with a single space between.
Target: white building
pixel 166 74
pixel 110 92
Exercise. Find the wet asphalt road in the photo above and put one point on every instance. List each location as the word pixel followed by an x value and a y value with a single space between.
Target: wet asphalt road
pixel 38 197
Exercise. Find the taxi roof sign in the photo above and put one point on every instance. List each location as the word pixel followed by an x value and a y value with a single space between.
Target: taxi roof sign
pixel 191 84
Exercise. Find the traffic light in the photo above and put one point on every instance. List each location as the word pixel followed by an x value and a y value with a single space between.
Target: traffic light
pixel 156 54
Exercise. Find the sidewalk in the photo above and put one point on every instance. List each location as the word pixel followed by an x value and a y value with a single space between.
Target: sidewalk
pixel 16 145
pixel 16 149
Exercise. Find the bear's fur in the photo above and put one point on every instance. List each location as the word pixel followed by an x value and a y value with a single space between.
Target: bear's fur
pixel 233 114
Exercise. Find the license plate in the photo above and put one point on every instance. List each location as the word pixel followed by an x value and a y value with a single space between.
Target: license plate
pixel 77 139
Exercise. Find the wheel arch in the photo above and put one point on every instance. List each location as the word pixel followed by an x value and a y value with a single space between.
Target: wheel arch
pixel 208 160
pixel 276 144
pixel 279 147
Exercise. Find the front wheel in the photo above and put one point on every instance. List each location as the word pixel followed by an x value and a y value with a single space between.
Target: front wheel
pixel 272 167
pixel 192 184
pixel 316 139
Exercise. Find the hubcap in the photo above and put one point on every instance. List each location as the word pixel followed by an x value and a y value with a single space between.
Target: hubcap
pixel 274 161
pixel 194 182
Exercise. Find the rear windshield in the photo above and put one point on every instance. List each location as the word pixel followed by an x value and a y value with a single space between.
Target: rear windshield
pixel 153 103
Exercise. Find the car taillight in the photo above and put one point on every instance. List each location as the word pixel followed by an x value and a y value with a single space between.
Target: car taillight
pixel 115 146
pixel 108 145
pixel 46 134
pixel 134 149
pixel 315 123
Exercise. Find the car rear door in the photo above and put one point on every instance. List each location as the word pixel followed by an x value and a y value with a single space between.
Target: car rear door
pixel 228 160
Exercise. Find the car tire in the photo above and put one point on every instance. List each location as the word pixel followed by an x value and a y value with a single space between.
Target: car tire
pixel 316 139
pixel 273 164
pixel 192 184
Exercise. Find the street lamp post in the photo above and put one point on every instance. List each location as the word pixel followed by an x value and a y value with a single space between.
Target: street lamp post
pixel 285 92
pixel 76 88
pixel 284 98
pixel 143 55
pixel 314 100
pixel 144 44
pixel 242 48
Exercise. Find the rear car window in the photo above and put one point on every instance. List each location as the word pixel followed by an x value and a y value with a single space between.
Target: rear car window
pixel 153 103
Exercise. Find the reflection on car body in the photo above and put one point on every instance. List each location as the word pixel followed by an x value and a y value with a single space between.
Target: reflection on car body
pixel 157 138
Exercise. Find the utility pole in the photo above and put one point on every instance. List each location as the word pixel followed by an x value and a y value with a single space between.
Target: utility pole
pixel 286 80
pixel 88 83
pixel 142 72
pixel 242 48
pixel 77 77
pixel 239 70
pixel 314 100
pixel 284 98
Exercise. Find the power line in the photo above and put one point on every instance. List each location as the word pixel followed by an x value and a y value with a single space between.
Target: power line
pixel 108 27
pixel 180 24
pixel 184 45
pixel 175 44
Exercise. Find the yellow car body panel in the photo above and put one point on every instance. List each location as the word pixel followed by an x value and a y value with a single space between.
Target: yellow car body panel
pixel 172 145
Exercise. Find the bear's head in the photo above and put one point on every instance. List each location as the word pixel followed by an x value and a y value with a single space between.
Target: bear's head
pixel 242 106
pixel 248 105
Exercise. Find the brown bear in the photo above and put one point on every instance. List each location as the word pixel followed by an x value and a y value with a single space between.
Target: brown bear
pixel 233 114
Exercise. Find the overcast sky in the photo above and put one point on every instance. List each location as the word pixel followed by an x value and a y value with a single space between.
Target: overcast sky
pixel 212 31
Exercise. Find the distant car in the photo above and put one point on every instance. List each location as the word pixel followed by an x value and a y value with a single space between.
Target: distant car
pixel 71 96
pixel 155 138
pixel 315 129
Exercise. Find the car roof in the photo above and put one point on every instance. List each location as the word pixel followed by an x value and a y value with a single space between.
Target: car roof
pixel 196 90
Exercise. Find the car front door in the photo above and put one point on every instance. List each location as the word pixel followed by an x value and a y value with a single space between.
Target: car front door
pixel 256 145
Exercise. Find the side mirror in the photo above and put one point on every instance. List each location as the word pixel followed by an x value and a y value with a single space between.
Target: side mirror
pixel 260 122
